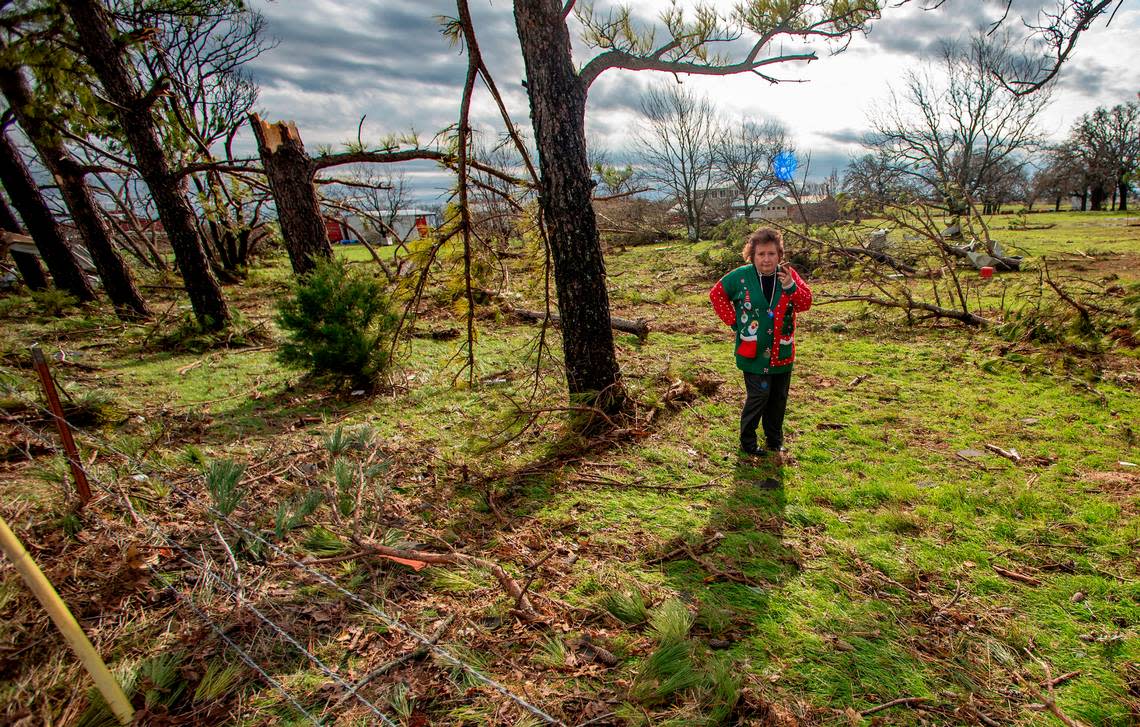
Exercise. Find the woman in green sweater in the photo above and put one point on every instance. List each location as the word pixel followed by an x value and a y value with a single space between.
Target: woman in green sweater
pixel 759 300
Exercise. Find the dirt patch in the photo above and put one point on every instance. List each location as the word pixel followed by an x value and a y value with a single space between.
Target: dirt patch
pixel 1121 487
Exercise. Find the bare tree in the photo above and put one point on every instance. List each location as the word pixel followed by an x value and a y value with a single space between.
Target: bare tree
pixel 1051 39
pixel 951 135
pixel 744 155
pixel 874 179
pixel 201 58
pixel 1108 143
pixel 676 147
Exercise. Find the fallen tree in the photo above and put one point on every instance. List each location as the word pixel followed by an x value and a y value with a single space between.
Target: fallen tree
pixel 638 327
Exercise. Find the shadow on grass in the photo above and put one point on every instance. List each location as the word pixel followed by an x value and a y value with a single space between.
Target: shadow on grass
pixel 739 557
pixel 299 405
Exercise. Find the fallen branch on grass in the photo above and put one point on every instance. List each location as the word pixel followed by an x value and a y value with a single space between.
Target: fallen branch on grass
pixel 903 702
pixel 718 573
pixel 524 607
pixel 1015 576
pixel 702 547
pixel 638 327
pixel 911 305
pixel 1010 454
pixel 1049 704
pixel 1047 683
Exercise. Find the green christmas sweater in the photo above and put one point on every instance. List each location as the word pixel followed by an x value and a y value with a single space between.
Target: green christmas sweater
pixel 765 329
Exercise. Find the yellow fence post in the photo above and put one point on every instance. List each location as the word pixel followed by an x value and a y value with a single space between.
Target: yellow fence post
pixel 66 624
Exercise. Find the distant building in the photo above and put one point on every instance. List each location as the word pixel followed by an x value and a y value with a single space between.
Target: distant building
pixel 409 224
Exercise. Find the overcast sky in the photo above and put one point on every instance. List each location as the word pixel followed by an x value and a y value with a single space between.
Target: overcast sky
pixel 339 60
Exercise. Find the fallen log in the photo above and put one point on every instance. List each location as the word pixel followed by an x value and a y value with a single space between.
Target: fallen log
pixel 638 327
pixel 881 257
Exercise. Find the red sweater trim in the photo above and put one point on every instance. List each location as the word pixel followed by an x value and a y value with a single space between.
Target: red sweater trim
pixel 722 305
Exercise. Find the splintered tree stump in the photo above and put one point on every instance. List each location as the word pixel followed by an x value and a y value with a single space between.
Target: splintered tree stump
pixel 290 171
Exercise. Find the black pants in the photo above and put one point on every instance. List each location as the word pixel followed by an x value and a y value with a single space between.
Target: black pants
pixel 766 402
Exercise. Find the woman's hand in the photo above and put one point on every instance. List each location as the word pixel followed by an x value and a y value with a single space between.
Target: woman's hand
pixel 785 273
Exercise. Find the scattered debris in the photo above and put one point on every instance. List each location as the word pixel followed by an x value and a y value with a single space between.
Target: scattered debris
pixel 1015 576
pixel 1010 454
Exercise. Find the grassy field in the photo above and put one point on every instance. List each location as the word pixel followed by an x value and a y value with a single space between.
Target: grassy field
pixel 897 557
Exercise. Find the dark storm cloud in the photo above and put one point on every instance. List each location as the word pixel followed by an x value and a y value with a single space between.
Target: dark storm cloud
pixel 619 91
pixel 845 136
pixel 1089 77
pixel 819 162
pixel 376 46
pixel 923 34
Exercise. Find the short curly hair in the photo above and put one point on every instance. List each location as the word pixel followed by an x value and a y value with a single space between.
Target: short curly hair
pixel 762 236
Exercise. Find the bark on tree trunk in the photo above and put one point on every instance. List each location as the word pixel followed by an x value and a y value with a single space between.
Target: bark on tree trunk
pixel 42 227
pixel 558 112
pixel 28 265
pixel 1097 198
pixel 290 172
pixel 113 271
pixel 166 188
pixel 1123 187
pixel 117 281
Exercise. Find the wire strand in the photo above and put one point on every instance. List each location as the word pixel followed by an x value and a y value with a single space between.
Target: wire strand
pixel 388 620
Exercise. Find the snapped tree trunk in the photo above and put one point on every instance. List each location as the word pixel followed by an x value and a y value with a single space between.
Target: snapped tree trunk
pixel 290 172
pixel 133 109
pixel 558 112
pixel 28 265
pixel 29 202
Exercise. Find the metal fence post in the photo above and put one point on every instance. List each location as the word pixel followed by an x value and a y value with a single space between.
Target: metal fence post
pixel 77 472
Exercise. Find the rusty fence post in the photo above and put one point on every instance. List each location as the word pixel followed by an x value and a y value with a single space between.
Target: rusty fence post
pixel 77 472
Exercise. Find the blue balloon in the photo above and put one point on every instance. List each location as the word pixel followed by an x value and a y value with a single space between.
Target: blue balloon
pixel 784 166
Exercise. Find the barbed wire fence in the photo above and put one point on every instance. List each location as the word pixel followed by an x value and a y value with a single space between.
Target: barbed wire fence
pixel 351 691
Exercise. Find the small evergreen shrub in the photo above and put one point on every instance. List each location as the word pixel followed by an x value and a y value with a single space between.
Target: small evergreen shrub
pixel 339 322
pixel 223 481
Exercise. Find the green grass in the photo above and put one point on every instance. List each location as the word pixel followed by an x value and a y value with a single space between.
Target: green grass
pixel 863 573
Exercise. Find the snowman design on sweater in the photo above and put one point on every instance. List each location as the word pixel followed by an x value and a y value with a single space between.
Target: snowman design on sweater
pixel 765 332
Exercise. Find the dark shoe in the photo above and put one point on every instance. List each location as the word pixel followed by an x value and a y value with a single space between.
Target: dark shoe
pixel 753 450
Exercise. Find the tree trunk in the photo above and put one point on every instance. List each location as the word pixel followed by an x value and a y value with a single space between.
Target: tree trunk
pixel 166 188
pixel 42 227
pixel 1097 197
pixel 290 172
pixel 558 112
pixel 28 265
pixel 116 277
pixel 1123 188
